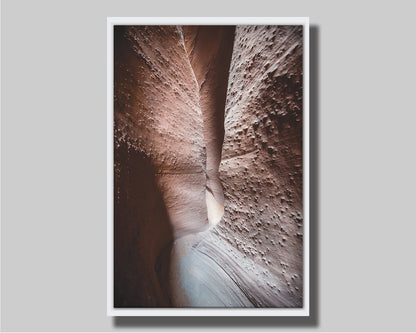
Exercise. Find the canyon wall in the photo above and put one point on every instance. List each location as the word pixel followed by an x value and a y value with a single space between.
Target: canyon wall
pixel 261 168
pixel 208 166
pixel 159 156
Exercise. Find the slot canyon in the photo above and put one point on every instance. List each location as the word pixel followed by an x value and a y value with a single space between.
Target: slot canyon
pixel 208 170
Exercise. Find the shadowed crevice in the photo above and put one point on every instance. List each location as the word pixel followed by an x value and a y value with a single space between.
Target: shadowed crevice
pixel 142 233
pixel 210 50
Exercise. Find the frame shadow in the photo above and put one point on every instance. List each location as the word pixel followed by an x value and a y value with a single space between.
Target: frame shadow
pixel 167 322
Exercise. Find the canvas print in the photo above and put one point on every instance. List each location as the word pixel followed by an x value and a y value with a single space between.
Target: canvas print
pixel 208 166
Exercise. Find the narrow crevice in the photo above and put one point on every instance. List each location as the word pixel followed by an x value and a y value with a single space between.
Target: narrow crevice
pixel 209 50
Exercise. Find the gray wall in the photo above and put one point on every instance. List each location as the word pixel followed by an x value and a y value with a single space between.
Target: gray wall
pixel 53 141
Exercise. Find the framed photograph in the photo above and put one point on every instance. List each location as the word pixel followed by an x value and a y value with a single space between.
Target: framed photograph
pixel 208 166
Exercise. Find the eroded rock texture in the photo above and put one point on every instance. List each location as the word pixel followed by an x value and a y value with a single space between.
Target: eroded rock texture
pixel 261 168
pixel 208 120
pixel 159 185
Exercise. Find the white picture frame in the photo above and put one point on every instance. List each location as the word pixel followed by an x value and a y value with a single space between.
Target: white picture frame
pixel 147 312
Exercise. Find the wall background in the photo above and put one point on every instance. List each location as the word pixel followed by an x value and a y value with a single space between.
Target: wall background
pixel 53 143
